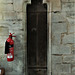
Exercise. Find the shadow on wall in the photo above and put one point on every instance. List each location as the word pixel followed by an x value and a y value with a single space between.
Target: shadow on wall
pixel 18 46
pixel 18 54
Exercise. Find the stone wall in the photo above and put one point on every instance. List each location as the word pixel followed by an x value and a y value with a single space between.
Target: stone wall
pixel 63 39
pixel 13 19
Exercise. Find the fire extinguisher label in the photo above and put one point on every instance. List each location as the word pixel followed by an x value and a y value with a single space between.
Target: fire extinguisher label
pixel 0 71
pixel 10 57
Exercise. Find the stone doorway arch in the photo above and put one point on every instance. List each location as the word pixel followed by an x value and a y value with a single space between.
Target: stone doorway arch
pixel 48 32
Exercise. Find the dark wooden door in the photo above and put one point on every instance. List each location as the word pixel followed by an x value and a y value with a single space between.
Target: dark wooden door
pixel 37 38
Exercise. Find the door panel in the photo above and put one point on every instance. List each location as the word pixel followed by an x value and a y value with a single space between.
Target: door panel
pixel 37 39
pixel 37 72
pixel 31 36
pixel 42 39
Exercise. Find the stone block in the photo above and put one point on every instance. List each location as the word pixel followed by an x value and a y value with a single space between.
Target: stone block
pixel 16 31
pixel 19 40
pixel 16 26
pixel 68 6
pixel 19 68
pixel 58 17
pixel 59 27
pixel 73 47
pixel 64 73
pixel 3 58
pixel 14 67
pixel 13 25
pixel 26 0
pixel 18 5
pixel 56 5
pixel 19 53
pixel 73 51
pixel 6 7
pixel 56 59
pixel 6 1
pixel 8 16
pixel 2 42
pixel 70 21
pixel 70 14
pixel 56 39
pixel 20 15
pixel 61 68
pixel 68 0
pixel 69 17
pixel 68 39
pixel 4 31
pixel 73 74
pixel 71 28
pixel 73 68
pixel 69 59
pixel 1 16
pixel 2 7
pixel 59 73
pixel 61 49
pixel 64 0
pixel 2 50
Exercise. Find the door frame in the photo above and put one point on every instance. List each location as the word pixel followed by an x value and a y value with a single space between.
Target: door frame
pixel 24 23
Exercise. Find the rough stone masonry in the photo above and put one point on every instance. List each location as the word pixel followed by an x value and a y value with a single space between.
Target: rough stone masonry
pixel 62 36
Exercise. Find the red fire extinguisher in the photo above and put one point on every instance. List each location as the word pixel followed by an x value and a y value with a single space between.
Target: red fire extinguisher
pixel 9 48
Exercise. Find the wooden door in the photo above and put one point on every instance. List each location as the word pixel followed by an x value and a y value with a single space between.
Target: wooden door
pixel 37 38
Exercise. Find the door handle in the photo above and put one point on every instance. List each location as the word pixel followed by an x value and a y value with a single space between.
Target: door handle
pixel 33 29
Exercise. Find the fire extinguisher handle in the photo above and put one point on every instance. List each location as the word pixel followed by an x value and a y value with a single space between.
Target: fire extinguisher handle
pixel 13 36
pixel 13 33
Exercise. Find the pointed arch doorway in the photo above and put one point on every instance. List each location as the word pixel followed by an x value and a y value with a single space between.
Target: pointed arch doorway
pixel 37 38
